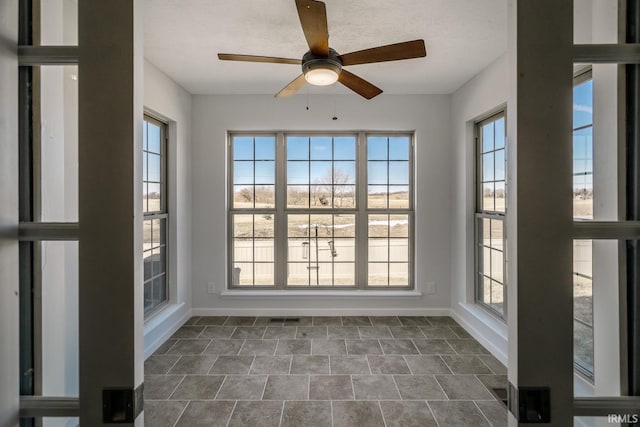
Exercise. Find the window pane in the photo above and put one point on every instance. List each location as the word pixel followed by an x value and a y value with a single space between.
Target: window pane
pixel 377 148
pixel 344 274
pixel 265 172
pixel 583 104
pixel 487 137
pixel 378 274
pixel 298 196
pixel 344 196
pixel 264 250
pixel 378 226
pixel 496 239
pixel 242 148
pixel 497 267
pixel 399 148
pixel 377 196
pixel 499 133
pixel 583 304
pixel 344 225
pixel 398 274
pixel 499 165
pixel 297 148
pixel 321 173
pixel 488 202
pixel 298 274
pixel 265 148
pixel 321 148
pixel 399 225
pixel 399 197
pixel 243 249
pixel 242 196
pixel 243 172
pixel 154 198
pixel 242 274
pixel 399 250
pixel 487 167
pixel 265 196
pixel 377 173
pixel 378 250
pixel 264 274
pixel 344 249
pixel 58 22
pixel 500 200
pixel 321 196
pixel 344 148
pixel 344 173
pixel 399 173
pixel 497 297
pixel 297 172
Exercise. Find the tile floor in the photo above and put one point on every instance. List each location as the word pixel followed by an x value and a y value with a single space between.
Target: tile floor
pixel 323 371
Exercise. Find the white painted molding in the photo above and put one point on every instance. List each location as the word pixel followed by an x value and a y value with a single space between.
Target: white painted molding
pixel 486 329
pixel 164 323
pixel 292 311
pixel 320 293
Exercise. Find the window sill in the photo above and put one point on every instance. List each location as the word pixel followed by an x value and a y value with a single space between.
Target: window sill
pixel 320 293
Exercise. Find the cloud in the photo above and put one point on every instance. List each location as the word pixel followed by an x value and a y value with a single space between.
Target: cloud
pixel 583 108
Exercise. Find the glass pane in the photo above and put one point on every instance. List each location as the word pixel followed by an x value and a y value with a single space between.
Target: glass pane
pixel 399 250
pixel 297 148
pixel 486 261
pixel 321 196
pixel 378 226
pixel 500 133
pixel 155 262
pixel 378 274
pixel 163 231
pixel 263 226
pixel 486 290
pixel 399 173
pixel 399 274
pixel 265 196
pixel 297 172
pixel 154 138
pixel 344 274
pixel 146 234
pixel 377 173
pixel 344 148
pixel 298 226
pixel 377 196
pixel 488 203
pixel 59 22
pixel 344 173
pixel 60 422
pixel 399 226
pixel 583 104
pixel 497 297
pixel 378 250
pixel 321 173
pixel 298 249
pixel 344 225
pixel 583 304
pixel 497 266
pixel 500 199
pixel 265 172
pixel 242 196
pixel 485 224
pixel 497 234
pixel 321 148
pixel 377 148
pixel 242 274
pixel 344 249
pixel 344 196
pixel 155 232
pixel 243 249
pixel 487 167
pixel 265 147
pixel 399 197
pixel 242 148
pixel 499 165
pixel 59 269
pixel 59 142
pixel 243 172
pixel 148 296
pixel 264 250
pixel 159 291
pixel 147 258
pixel 154 201
pixel 297 196
pixel 264 274
pixel 399 148
pixel 243 225
pixel 298 274
pixel 487 137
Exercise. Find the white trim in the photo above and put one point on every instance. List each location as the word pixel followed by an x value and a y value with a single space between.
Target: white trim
pixel 159 328
pixel 485 328
pixel 321 312
pixel 320 293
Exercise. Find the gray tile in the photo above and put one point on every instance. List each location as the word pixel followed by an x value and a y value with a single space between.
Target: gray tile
pixel 212 320
pixel 193 364
pixel 259 347
pixel 186 346
pixel 493 381
pixel 327 321
pixel 406 332
pixel 218 332
pixel 493 364
pixel 414 321
pixel 467 346
pixel 331 347
pixel 330 387
pixel 268 321
pixel 160 386
pixel 294 346
pixel 398 346
pixel 188 332
pixel 495 412
pixel 236 365
pixel 357 414
pixel 457 414
pixel 162 413
pixel 388 365
pixel 442 321
pixel 363 347
pixel 356 321
pixel 256 414
pixel 279 332
pixel 349 365
pixel 240 321
pixel 242 387
pixel 271 365
pixel 248 332
pixel 192 321
pixel 286 387
pixel 300 414
pixel 438 332
pixel 298 321
pixel 310 365
pixel 308 332
pixel 165 346
pixel 341 332
pixel 374 332
pixel 407 414
pixel 433 346
pixel 427 365
pixel 385 320
pixel 419 387
pixel 160 364
pixel 375 387
pixel 204 414
pixel 463 387
pixel 226 347
pixel 198 387
pixel 460 332
pixel 466 365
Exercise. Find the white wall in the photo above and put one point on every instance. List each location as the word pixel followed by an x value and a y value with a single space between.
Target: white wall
pixel 482 95
pixel 169 102
pixel 213 116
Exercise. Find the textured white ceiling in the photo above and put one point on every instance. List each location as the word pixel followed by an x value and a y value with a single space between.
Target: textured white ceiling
pixel 182 38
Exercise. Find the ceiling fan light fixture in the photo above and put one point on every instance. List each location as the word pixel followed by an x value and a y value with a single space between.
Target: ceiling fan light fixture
pixel 321 76
pixel 320 70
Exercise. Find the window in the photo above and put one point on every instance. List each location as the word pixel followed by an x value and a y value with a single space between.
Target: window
pixel 490 214
pixel 583 210
pixel 300 218
pixel 154 205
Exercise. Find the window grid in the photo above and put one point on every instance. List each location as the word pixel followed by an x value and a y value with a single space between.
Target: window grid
pixel 490 214
pixel 295 169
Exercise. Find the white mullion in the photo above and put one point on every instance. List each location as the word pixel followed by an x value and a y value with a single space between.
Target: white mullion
pixel 361 241
pixel 280 232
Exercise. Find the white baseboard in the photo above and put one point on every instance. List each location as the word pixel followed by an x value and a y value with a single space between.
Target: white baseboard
pixel 320 312
pixel 160 327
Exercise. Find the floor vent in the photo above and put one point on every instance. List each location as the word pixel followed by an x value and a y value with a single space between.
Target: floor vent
pixel 285 319
pixel 501 394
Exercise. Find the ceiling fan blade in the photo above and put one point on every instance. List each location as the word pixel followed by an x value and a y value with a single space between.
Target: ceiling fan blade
pixel 358 85
pixel 390 52
pixel 292 87
pixel 313 18
pixel 255 58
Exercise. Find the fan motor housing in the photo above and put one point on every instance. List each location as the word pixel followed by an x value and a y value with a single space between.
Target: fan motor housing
pixel 331 61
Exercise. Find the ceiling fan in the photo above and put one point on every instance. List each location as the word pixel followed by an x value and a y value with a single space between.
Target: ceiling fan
pixel 321 65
